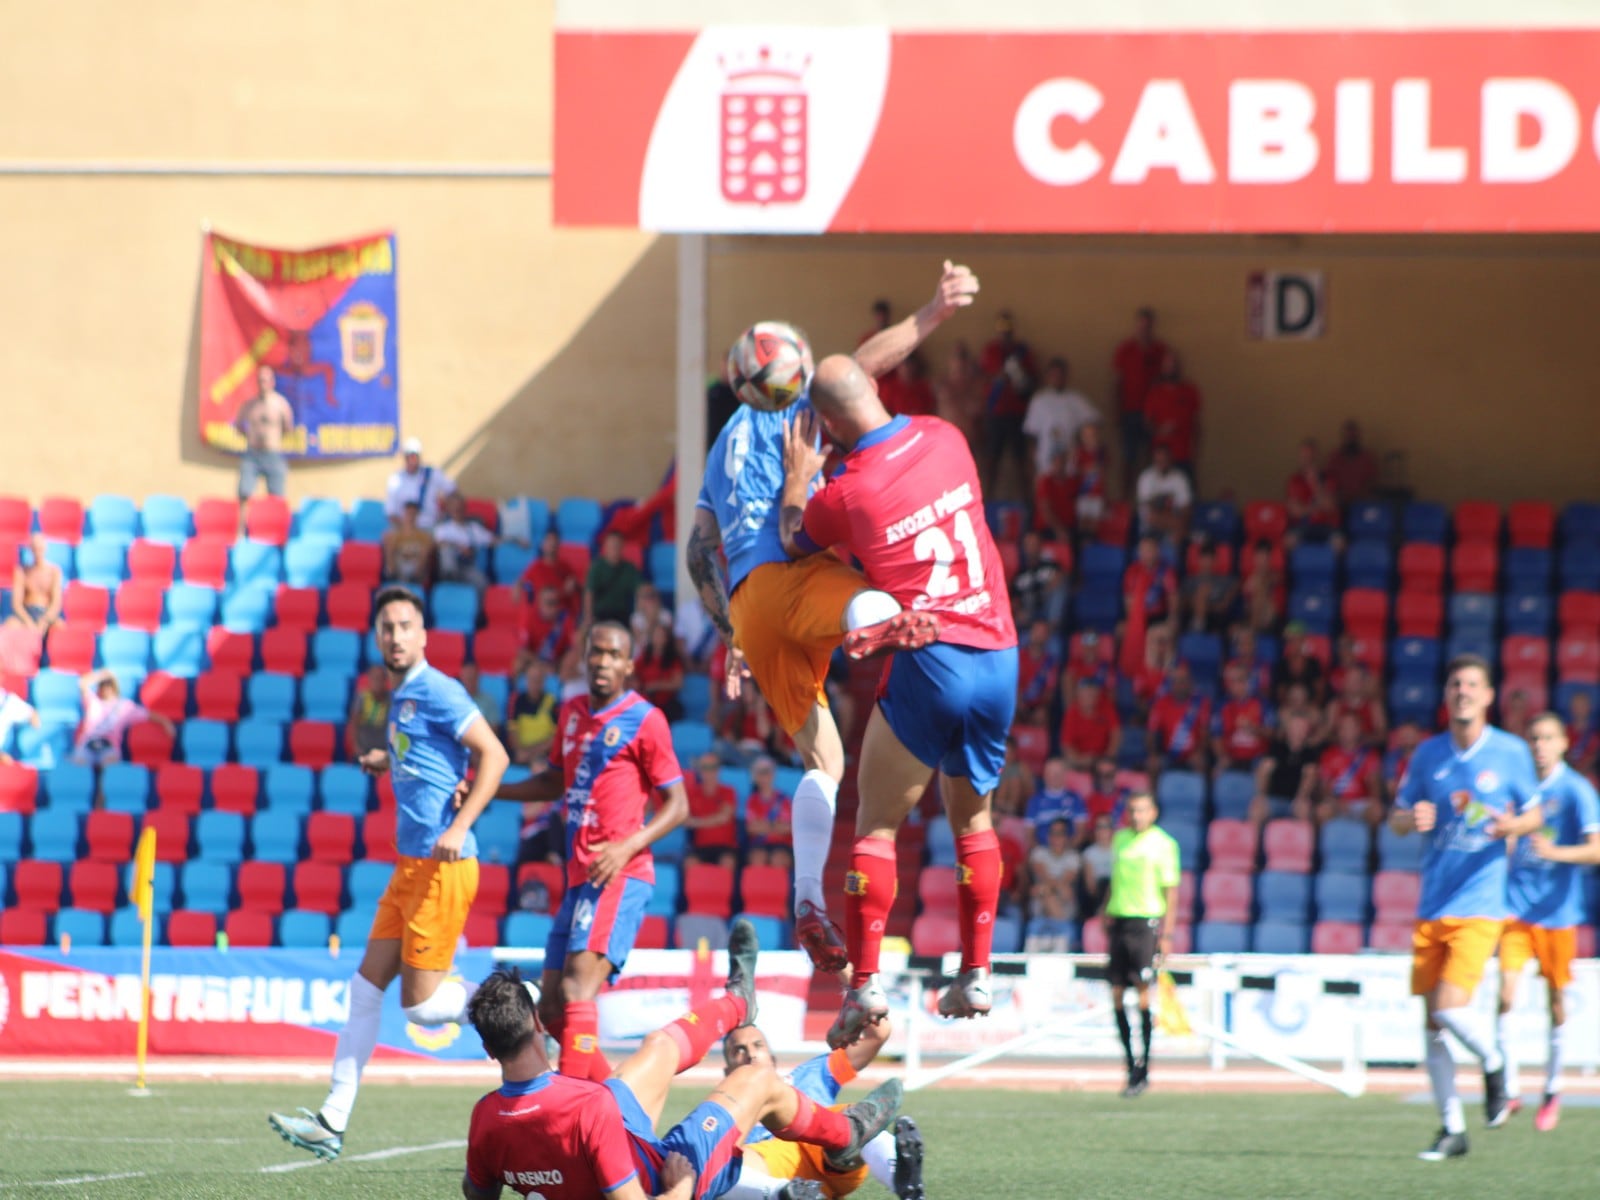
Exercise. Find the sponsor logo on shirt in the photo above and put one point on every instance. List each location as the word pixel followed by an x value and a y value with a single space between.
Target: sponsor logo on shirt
pixel 1487 781
pixel 408 711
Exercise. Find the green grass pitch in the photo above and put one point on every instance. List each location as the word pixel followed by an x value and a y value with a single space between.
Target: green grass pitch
pixel 211 1139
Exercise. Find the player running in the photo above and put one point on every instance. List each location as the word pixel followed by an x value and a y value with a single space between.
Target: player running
pixel 907 504
pixel 781 1170
pixel 1465 791
pixel 786 619
pixel 434 729
pixel 569 1139
pixel 1545 891
pixel 612 749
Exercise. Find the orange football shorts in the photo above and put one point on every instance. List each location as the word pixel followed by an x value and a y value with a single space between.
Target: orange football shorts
pixel 425 906
pixel 1553 948
pixel 1452 950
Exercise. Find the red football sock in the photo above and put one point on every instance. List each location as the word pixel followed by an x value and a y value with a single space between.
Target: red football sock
pixel 599 1068
pixel 700 1029
pixel 977 894
pixel 581 1039
pixel 869 895
pixel 815 1124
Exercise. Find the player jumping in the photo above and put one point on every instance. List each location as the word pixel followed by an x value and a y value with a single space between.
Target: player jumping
pixel 906 502
pixel 786 619
pixel 1545 891
pixel 612 749
pixel 434 727
pixel 570 1139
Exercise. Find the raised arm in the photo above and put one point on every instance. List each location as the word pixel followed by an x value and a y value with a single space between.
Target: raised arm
pixel 704 538
pixel 888 348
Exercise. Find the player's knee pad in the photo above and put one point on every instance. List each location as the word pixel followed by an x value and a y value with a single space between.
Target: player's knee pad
pixel 869 608
pixel 448 1003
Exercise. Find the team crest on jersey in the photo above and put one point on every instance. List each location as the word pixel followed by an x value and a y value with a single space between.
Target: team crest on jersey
pixel 408 711
pixel 709 1124
pixel 613 736
pixel 1487 781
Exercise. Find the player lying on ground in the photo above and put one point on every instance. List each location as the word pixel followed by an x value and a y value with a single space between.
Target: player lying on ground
pixel 574 1139
pixel 434 729
pixel 786 619
pixel 906 502
pixel 778 1170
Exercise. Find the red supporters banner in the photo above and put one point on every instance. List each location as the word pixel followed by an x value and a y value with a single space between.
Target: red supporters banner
pixel 808 130
pixel 324 321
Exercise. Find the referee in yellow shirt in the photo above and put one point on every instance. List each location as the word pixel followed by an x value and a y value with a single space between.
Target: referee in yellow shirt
pixel 1140 909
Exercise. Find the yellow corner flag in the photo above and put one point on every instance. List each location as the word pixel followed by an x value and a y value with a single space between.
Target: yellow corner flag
pixel 144 874
pixel 1170 1017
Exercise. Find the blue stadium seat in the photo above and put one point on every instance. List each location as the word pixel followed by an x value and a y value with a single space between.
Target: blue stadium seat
pixel 64 555
pixel 252 562
pixel 43 748
pixel 1483 645
pixel 289 787
pixel 510 561
pixel 941 842
pixel 1425 523
pixel 1342 897
pixel 1580 566
pixel 1097 608
pixel 321 517
pixel 102 562
pixel 55 835
pixel 1345 845
pixel 661 565
pixel 57 691
pixel 1370 520
pixel 529 510
pixel 671 849
pixel 163 885
pixel 325 696
pixel 1313 565
pixel 1008 935
pixel 166 519
pixel 1103 564
pixel 258 743
pixel 499 833
pixel 786 779
pixel 83 926
pixel 207 886
pixel 1181 795
pixel 249 609
pixel 663 900
pixel 1190 836
pixel 1419 657
pixel 113 518
pixel 526 929
pixel 498 689
pixel 1217 520
pixel 270 697
pixel 690 739
pixel 275 837
pixel 124 650
pixel 455 607
pixel 308 561
pixel 1565 691
pixel 1221 937
pixel 126 787
pixel 219 837
pixel 354 924
pixel 11 828
pixel 578 519
pixel 1203 653
pixel 1134 753
pixel 1529 614
pixel 179 650
pixel 1412 700
pixel 127 930
pixel 203 743
pixel 368 521
pixel 1527 569
pixel 1232 793
pixel 1283 896
pixel 69 787
pixel 1369 565
pixel 1474 613
pixel 367 882
pixel 1315 607
pixel 1396 853
pixel 300 929
pixel 1281 937
pixel 1581 519
pixel 772 932
pixel 695 696
pixel 337 650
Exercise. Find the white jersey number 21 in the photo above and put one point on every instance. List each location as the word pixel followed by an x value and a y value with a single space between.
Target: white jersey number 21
pixel 933 543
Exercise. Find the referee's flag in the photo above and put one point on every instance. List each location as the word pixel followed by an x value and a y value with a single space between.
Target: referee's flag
pixel 1170 1017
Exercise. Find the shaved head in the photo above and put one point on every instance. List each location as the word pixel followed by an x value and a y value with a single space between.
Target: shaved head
pixel 846 399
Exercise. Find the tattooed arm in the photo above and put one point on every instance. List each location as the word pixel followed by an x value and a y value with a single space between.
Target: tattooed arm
pixel 704 538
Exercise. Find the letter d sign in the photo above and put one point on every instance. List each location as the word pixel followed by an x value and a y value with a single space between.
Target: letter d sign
pixel 1283 305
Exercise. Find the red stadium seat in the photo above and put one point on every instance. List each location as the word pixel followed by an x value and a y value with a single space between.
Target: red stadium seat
pixel 576 556
pixel 1578 659
pixel 1392 936
pixel 652 933
pixel 61 519
pixel 1421 567
pixel 85 606
pixel 1370 651
pixel 1115 524
pixel 149 745
pixel 37 884
pixel 9 552
pixel 360 563
pixel 24 926
pixel 172 833
pixel 1579 612
pixel 218 694
pixel 495 650
pixel 319 886
pixel 1366 613
pixel 235 788
pixel 188 928
pixel 249 928
pixel 486 512
pixel 108 836
pixel 935 933
pixel 71 647
pixel 1532 686
pixel 1318 646
pixel 260 886
pixel 204 560
pixel 764 892
pixel 180 788
pixel 482 929
pixel 230 651
pixel 1531 524
pixel 1418 614
pixel 1586 941
pixel 1477 521
pixel 1265 521
pixel 1289 845
pixel 1278 557
pixel 283 651
pixel 152 562
pixel 331 838
pixel 447 651
pixel 494 889
pixel 313 743
pixel 1523 652
pixel 1226 896
pixel 1395 895
pixel 1336 937
pixel 18 785
pixel 1232 846
pixel 1187 891
pixel 1010 558
pixel 16 519
pixel 1475 567
pixel 350 604
pixel 708 890
pixel 93 885
pixel 936 890
pixel 552 876
pixel 140 605
pixel 165 694
pixel 1033 746
pixel 377 835
pixel 1094 937
pixel 502 608
pixel 267 519
pixel 216 518
pixel 383 786
pixel 297 608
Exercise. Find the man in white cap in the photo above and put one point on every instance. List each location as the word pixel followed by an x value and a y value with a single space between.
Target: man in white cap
pixel 415 483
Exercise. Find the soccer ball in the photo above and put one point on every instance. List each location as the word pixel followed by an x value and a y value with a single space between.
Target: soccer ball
pixel 769 366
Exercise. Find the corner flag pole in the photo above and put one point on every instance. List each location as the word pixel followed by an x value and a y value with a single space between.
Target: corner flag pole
pixel 144 871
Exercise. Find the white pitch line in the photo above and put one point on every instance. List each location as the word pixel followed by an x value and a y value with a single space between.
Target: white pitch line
pixel 370 1156
pixel 75 1180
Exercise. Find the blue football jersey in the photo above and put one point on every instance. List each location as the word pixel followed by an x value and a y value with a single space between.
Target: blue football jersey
pixel 428 713
pixel 1549 893
pixel 743 485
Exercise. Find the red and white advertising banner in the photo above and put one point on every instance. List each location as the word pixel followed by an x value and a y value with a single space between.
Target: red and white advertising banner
pixel 745 129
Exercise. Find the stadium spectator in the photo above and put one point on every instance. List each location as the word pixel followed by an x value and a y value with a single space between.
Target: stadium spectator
pixel 107 717
pixel 1310 499
pixel 532 728
pixel 1243 649
pixel 1357 699
pixel 611 586
pixel 1015 789
pixel 959 395
pixel 459 539
pixel 266 421
pixel 906 391
pixel 648 612
pixel 416 484
pixel 1150 586
pixel 1088 659
pixel 366 727
pixel 1583 740
pixel 1055 873
pixel 658 673
pixel 1403 743
pixel 1088 467
pixel 15 712
pixel 1053 800
pixel 1165 499
pixel 488 703
pixel 840 698
pixel 1090 728
pixel 1300 666
pixel 749 730
pixel 1055 414
pixel 1345 660
pixel 1209 595
pixel 1151 673
pixel 550 571
pixel 1039 588
pixel 1263 591
pixel 1055 499
pixel 541 839
pixel 1136 364
pixel 712 823
pixel 1516 714
pixel 1096 875
pixel 1172 412
pixel 1297 703
pixel 572 671
pixel 1349 776
pixel 408 549
pixel 1107 797
pixel 768 819
pixel 1038 674
pixel 1008 365
pixel 881 320
pixel 1241 727
pixel 37 589
pixel 548 627
pixel 1180 720
pixel 1286 778
pixel 1352 468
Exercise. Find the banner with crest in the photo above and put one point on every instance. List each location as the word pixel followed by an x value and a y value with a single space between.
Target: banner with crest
pixel 316 326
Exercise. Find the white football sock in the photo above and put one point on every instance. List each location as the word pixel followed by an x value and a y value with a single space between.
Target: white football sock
pixel 879 1155
pixel 1442 1072
pixel 1552 1075
pixel 1462 1023
pixel 357 1040
pixel 811 825
pixel 1504 1040
pixel 869 608
pixel 448 1003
